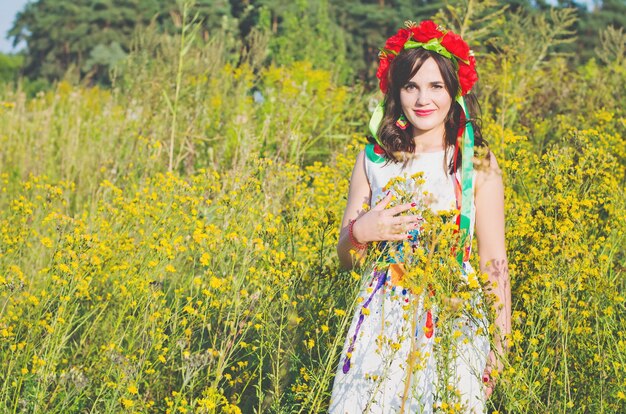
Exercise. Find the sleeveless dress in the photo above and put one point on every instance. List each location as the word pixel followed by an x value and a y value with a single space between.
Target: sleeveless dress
pixel 373 370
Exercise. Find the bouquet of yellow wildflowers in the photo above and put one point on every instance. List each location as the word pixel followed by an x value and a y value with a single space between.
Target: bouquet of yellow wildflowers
pixel 426 265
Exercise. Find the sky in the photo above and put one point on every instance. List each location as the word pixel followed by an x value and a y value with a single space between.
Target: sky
pixel 9 8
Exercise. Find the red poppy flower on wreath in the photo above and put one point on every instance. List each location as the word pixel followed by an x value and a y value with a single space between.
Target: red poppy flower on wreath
pixel 382 73
pixel 467 75
pixel 456 45
pixel 426 31
pixel 446 43
pixel 396 42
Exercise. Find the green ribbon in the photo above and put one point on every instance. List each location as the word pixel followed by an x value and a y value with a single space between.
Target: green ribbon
pixel 433 45
pixel 467 183
pixel 376 119
pixel 372 156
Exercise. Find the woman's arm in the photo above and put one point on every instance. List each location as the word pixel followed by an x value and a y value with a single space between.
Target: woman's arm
pixel 491 248
pixel 358 195
pixel 377 224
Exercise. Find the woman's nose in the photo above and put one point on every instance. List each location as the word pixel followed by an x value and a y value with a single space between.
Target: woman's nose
pixel 421 97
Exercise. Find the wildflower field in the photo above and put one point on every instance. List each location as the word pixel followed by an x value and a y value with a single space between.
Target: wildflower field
pixel 168 245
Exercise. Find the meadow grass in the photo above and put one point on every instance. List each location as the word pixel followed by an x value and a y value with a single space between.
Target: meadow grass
pixel 214 287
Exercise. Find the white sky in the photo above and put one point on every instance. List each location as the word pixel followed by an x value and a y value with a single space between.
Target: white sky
pixel 9 8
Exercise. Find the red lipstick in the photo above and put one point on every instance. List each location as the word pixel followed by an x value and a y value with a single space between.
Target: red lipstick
pixel 423 112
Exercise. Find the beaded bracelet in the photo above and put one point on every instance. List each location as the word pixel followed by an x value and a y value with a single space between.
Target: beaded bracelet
pixel 360 246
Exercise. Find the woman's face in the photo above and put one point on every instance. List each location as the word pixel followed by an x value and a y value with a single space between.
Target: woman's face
pixel 425 100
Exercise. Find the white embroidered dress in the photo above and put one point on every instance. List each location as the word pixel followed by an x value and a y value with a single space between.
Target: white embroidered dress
pixel 372 374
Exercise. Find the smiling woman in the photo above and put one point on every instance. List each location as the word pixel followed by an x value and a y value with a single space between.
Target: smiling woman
pixel 418 340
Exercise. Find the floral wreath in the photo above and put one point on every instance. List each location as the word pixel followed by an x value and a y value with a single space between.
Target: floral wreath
pixel 435 38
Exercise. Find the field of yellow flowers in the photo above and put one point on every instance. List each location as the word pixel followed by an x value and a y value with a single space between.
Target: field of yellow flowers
pixel 213 287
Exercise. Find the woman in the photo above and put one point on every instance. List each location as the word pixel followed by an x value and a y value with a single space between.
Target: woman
pixel 393 358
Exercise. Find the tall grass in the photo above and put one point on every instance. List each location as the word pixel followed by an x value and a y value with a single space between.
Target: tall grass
pixel 214 287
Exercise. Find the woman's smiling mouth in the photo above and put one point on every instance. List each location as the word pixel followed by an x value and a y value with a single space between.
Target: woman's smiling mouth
pixel 424 112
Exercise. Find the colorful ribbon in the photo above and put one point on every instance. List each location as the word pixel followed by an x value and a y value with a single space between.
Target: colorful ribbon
pixel 382 277
pixel 375 121
pixel 467 186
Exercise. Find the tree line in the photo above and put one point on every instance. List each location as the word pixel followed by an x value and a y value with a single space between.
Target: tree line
pixel 92 37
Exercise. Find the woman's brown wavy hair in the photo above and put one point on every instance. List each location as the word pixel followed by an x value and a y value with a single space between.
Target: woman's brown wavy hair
pixel 403 67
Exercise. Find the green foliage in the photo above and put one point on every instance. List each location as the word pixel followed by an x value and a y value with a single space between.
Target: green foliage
pixel 94 36
pixel 300 115
pixel 368 23
pixel 91 38
pixel 475 21
pixel 528 83
pixel 524 45
pixel 10 67
pixel 611 13
pixel 103 58
pixel 307 33
pixel 612 47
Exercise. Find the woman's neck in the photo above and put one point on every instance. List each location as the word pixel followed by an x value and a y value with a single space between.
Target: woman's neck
pixel 429 141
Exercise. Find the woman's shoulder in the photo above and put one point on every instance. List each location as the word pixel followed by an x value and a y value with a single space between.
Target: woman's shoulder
pixel 488 171
pixel 486 163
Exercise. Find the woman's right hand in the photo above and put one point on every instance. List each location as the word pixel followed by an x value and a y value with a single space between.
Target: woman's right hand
pixel 382 224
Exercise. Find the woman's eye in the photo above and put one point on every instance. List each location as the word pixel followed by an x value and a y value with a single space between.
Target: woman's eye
pixel 409 87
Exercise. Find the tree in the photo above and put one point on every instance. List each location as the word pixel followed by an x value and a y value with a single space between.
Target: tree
pixel 610 13
pixel 305 31
pixel 93 35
